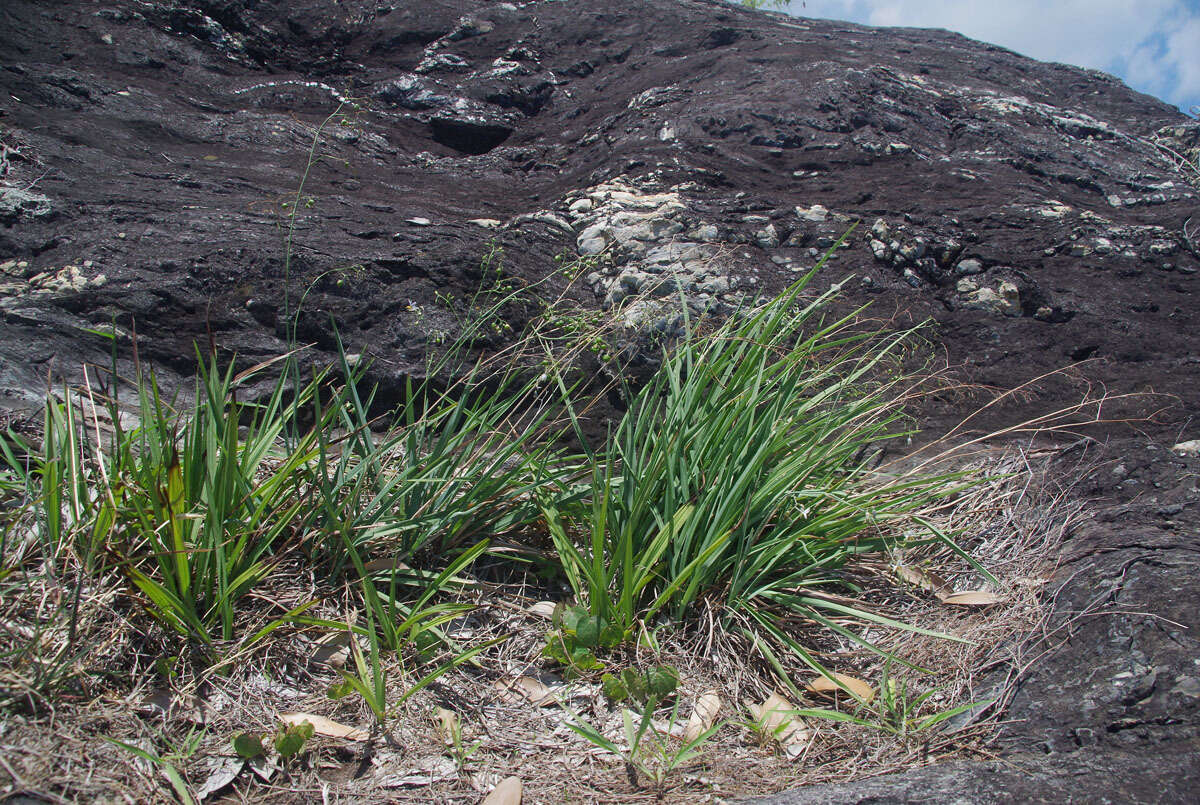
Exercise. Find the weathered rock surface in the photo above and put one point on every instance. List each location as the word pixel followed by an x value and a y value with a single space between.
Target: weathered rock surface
pixel 1111 713
pixel 150 152
pixel 722 152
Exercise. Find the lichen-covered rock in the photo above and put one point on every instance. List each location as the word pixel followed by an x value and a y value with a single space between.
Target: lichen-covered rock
pixel 16 203
pixel 1004 299
pixel 1189 448
pixel 646 235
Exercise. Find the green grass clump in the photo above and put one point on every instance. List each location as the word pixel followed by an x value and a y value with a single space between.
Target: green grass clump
pixel 197 505
pixel 194 506
pixel 736 482
pixel 210 508
pixel 737 476
pixel 459 465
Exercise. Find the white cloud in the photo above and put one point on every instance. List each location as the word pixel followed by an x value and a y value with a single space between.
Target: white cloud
pixel 1183 53
pixel 1152 44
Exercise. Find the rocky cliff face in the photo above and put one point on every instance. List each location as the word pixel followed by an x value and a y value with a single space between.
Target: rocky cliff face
pixel 1039 214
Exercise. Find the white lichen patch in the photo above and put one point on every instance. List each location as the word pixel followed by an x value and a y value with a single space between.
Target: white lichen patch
pixel 51 282
pixel 648 250
pixel 1053 209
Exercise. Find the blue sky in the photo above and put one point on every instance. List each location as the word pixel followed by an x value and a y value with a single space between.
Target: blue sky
pixel 1153 45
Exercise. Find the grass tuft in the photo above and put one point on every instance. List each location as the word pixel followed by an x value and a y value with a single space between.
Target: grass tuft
pixel 739 477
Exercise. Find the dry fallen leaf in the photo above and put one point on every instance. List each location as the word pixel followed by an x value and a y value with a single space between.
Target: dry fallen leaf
pixel 190 708
pixel 221 772
pixel 484 781
pixel 924 579
pixel 324 726
pixel 703 714
pixel 525 689
pixel 543 609
pixel 263 767
pixel 508 792
pixel 332 650
pixel 858 687
pixel 428 771
pixel 776 716
pixel 972 598
pixel 773 713
pixel 447 723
